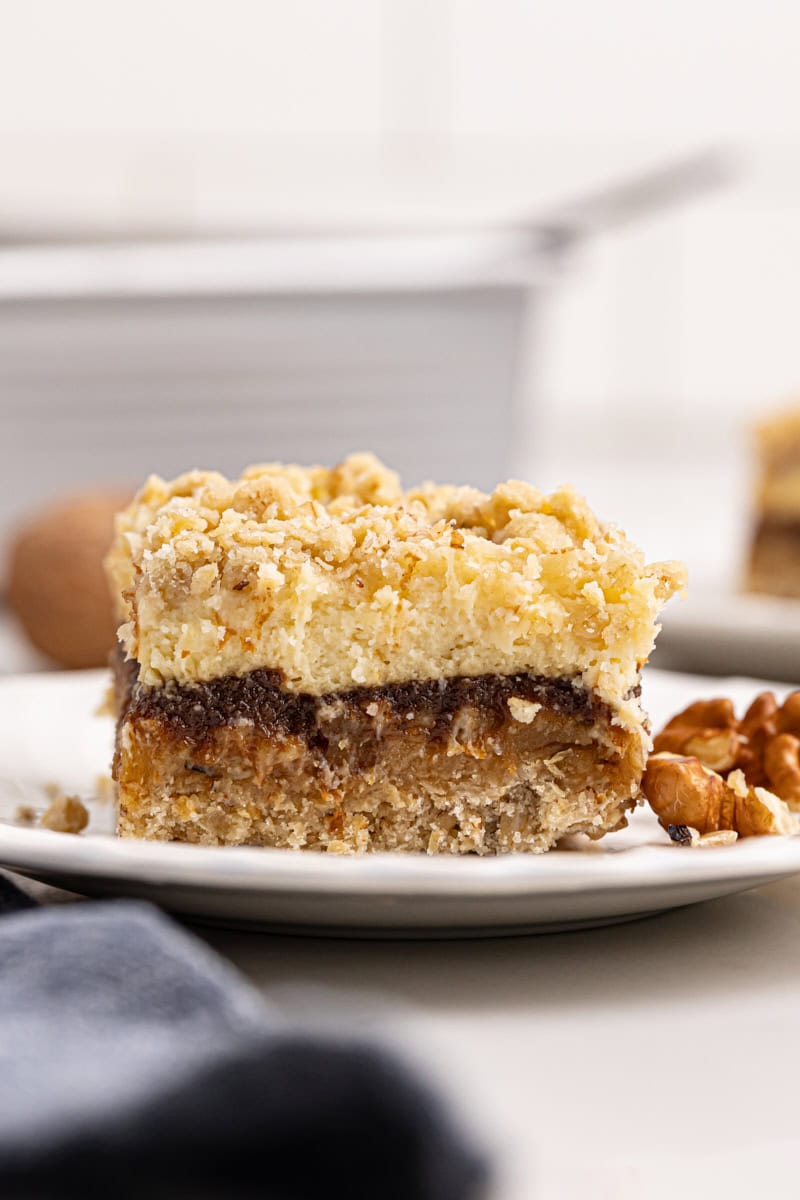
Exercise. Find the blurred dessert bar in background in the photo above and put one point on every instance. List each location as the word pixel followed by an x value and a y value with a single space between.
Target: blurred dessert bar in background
pixel 774 563
pixel 317 659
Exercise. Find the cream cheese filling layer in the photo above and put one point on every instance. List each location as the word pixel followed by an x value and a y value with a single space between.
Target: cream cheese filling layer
pixel 340 579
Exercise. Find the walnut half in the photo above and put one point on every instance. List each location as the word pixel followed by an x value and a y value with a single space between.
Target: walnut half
pixel 682 791
pixel 764 744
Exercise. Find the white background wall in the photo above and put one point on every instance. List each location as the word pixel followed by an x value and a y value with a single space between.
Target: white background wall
pixel 237 112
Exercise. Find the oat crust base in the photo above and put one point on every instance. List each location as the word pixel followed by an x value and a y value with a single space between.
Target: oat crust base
pixel 513 774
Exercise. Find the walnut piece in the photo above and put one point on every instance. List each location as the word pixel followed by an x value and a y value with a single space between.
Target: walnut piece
pixel 686 835
pixel 65 814
pixel 782 766
pixel 681 791
pixel 720 837
pixel 689 798
pixel 764 744
pixel 56 582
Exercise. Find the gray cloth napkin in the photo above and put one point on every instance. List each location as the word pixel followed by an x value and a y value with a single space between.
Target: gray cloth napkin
pixel 135 1061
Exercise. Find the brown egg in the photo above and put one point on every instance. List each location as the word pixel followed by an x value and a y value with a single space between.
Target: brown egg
pixel 56 583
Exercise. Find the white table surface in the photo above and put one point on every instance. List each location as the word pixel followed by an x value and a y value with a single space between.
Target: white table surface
pixel 647 1060
pixel 638 1062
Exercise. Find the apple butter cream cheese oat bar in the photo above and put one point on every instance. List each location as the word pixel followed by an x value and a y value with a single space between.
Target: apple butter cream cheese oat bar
pixel 317 659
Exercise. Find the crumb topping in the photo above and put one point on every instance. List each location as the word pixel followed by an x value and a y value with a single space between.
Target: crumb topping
pixel 340 578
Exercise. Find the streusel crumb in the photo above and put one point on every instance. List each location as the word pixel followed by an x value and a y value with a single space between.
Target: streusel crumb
pixel 65 814
pixel 339 578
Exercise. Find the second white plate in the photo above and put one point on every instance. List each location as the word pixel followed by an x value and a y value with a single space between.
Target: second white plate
pixel 720 632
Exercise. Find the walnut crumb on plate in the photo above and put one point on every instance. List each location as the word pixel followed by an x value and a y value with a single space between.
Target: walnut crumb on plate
pixel 65 814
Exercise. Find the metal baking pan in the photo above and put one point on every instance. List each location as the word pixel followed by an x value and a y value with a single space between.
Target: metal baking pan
pixel 121 359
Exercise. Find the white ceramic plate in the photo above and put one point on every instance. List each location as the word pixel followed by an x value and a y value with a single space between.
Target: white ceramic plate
pixel 48 734
pixel 729 631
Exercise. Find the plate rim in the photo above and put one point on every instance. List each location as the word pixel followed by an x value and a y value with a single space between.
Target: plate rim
pixel 256 869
